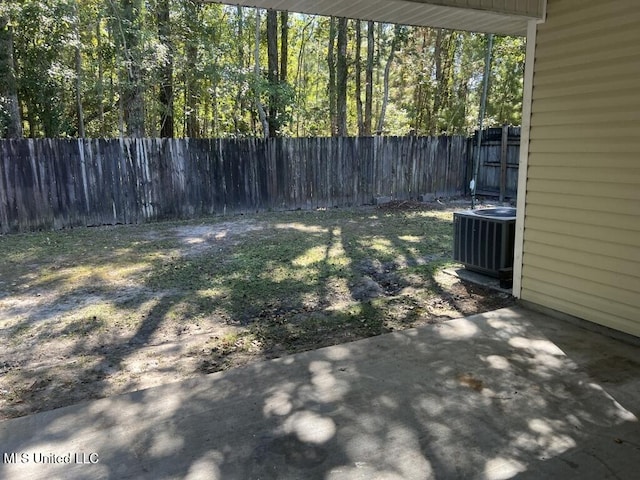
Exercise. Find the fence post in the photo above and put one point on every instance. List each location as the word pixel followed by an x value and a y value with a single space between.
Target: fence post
pixel 503 161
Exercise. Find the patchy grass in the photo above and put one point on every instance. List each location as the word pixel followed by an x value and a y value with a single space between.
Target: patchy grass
pixel 98 311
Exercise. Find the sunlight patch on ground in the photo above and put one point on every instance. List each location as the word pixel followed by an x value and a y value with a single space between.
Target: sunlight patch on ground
pixel 213 293
pixel 501 468
pixel 313 255
pixel 310 427
pixel 278 273
pixel 458 330
pixel 378 244
pixel 90 276
pixel 300 227
pixel 616 410
pixel 410 238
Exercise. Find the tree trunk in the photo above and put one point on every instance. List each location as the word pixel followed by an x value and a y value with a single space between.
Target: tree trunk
pixel 165 96
pixel 213 103
pixel 331 62
pixel 100 85
pixel 358 73
pixel 300 80
pixel 378 62
pixel 193 128
pixel 368 101
pixel 79 110
pixel 437 97
pixel 387 71
pixel 237 118
pixel 421 98
pixel 284 46
pixel 78 62
pixel 256 70
pixel 133 101
pixel 8 84
pixel 272 73
pixel 341 81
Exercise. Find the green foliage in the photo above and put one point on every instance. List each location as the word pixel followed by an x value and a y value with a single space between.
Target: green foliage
pixel 505 98
pixel 435 77
pixel 42 35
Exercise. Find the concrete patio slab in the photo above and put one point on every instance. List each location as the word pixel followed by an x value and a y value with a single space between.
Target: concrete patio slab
pixel 507 394
pixel 477 278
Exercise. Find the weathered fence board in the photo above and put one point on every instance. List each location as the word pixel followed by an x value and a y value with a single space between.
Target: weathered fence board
pixel 53 184
pixel 499 159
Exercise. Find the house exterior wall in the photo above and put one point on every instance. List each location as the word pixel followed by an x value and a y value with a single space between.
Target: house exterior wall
pixel 581 247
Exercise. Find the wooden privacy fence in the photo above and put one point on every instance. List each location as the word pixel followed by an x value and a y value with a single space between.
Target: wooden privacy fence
pixel 53 184
pixel 499 159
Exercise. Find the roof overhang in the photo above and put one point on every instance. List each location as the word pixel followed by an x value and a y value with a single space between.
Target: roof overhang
pixel 506 17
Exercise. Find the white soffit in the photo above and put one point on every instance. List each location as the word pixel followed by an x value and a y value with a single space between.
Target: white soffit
pixel 407 12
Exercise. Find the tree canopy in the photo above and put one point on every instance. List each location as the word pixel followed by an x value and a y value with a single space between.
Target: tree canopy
pixel 164 68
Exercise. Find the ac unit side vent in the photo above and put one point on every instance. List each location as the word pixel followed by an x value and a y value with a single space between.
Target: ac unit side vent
pixel 482 243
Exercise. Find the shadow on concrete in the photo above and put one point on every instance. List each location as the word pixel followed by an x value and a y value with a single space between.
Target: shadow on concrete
pixel 507 394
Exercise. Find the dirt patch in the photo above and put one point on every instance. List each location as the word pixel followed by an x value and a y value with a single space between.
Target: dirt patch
pixel 197 238
pixel 97 312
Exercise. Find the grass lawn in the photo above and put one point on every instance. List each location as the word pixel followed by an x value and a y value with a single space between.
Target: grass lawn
pixel 93 312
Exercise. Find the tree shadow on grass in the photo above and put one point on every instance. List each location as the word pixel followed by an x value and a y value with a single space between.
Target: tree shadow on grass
pixel 355 282
pixel 297 286
pixel 66 322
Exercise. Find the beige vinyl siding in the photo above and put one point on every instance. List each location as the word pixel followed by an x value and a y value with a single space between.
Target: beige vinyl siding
pixel 581 251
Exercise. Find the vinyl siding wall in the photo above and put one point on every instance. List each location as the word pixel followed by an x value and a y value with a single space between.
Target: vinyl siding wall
pixel 581 251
